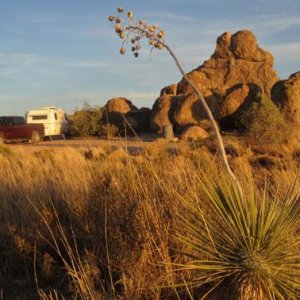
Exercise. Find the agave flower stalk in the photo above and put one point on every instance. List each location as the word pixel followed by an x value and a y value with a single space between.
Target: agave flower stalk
pixel 136 30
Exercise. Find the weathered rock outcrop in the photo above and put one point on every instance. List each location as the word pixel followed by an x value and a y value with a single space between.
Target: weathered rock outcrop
pixel 122 113
pixel 194 133
pixel 120 105
pixel 162 111
pixel 236 71
pixel 139 120
pixel 189 111
pixel 169 90
pixel 286 94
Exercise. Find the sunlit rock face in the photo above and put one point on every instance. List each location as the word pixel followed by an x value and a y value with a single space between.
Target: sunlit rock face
pixel 234 74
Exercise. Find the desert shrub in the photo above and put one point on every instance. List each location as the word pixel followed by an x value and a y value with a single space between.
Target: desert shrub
pixel 264 122
pixel 108 130
pixel 90 121
pixel 86 121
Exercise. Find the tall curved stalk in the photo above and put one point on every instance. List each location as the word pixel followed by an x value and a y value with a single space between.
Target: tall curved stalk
pixel 140 29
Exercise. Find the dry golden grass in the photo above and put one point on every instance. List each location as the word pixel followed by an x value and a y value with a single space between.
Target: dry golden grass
pixel 95 224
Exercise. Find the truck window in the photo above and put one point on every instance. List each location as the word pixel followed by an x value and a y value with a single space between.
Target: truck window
pixel 2 121
pixel 8 121
pixel 39 117
pixel 19 120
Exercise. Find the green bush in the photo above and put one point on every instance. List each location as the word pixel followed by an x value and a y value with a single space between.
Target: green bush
pixel 90 121
pixel 264 123
pixel 109 130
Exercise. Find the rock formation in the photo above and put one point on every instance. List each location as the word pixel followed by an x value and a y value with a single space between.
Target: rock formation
pixel 237 60
pixel 169 90
pixel 236 71
pixel 123 114
pixel 286 94
pixel 194 133
pixel 120 105
pixel 162 111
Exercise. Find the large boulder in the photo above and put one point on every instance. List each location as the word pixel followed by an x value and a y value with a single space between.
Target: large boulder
pixel 189 110
pixel 120 105
pixel 237 65
pixel 286 94
pixel 123 114
pixel 234 99
pixel 138 120
pixel 117 108
pixel 238 100
pixel 162 111
pixel 194 133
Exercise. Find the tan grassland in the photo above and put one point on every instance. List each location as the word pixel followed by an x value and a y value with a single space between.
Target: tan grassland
pixel 97 223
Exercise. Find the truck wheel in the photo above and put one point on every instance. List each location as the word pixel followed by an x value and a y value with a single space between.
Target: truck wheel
pixel 35 138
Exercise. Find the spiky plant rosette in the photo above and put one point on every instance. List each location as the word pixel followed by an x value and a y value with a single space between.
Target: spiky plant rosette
pixel 242 247
pixel 133 31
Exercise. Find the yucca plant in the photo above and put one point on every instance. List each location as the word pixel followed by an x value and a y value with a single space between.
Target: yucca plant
pixel 242 247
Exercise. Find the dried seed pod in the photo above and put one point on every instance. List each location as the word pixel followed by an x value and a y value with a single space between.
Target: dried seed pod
pixel 136 54
pixel 151 42
pixel 130 14
pixel 118 20
pixel 122 50
pixel 160 46
pixel 161 34
pixel 151 28
pixel 120 10
pixel 118 26
pixel 122 34
pixel 111 18
pixel 132 49
pixel 132 41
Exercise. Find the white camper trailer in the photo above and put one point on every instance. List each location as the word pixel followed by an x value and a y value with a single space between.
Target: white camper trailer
pixel 53 118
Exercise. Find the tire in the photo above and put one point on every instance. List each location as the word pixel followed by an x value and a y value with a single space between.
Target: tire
pixel 35 137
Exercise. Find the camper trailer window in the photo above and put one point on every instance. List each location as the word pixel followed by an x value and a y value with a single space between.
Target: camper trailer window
pixel 55 116
pixel 39 117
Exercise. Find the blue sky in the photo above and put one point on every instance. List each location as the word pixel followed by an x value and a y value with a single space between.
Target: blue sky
pixel 64 52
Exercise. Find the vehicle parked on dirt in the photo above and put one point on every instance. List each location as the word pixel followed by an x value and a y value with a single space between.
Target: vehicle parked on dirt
pixel 53 118
pixel 14 128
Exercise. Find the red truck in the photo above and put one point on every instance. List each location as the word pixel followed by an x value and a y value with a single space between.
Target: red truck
pixel 16 128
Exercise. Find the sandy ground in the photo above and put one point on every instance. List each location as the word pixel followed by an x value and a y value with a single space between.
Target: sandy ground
pixel 131 144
